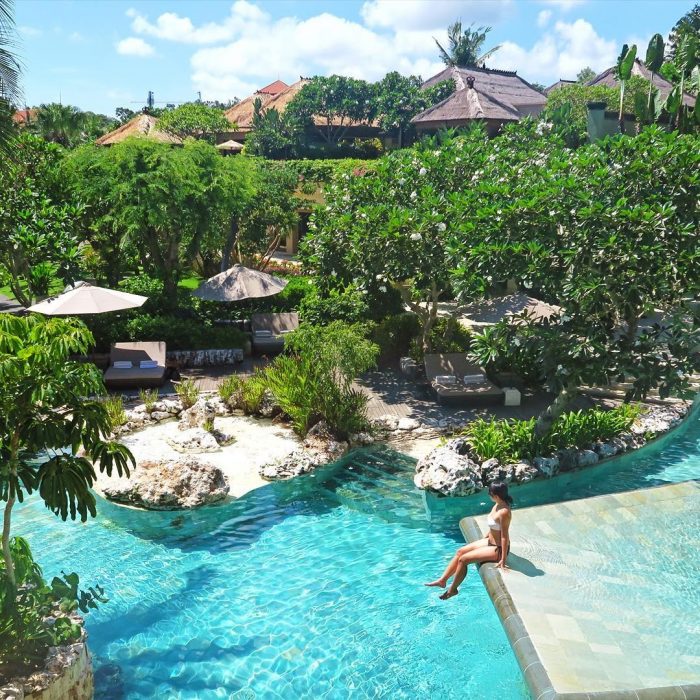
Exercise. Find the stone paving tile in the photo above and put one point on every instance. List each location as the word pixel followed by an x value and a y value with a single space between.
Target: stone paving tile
pixel 602 629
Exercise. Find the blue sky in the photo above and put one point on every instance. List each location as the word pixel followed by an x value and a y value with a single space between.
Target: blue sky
pixel 100 54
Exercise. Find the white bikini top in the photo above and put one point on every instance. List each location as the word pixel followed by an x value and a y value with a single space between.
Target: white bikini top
pixel 493 524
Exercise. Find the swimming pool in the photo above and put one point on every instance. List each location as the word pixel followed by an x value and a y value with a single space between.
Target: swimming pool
pixel 310 588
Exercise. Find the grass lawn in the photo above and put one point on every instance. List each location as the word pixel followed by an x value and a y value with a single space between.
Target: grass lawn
pixel 190 282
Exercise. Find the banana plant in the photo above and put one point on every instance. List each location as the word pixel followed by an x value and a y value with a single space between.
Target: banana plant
pixel 653 61
pixel 688 59
pixel 623 71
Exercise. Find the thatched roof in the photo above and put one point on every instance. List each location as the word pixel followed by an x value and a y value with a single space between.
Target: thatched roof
pixel 142 125
pixel 489 311
pixel 608 77
pixel 241 114
pixel 560 83
pixel 495 95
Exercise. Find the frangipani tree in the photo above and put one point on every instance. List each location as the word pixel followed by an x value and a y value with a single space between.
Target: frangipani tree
pixel 49 403
pixel 390 225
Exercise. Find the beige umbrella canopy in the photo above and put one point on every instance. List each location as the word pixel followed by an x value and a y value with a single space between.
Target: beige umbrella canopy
pixel 233 146
pixel 238 283
pixel 84 298
pixel 490 311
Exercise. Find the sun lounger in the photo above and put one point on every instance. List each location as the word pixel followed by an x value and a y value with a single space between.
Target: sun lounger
pixel 136 365
pixel 269 331
pixel 453 378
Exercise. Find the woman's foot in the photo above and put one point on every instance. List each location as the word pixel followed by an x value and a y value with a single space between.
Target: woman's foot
pixel 436 584
pixel 448 594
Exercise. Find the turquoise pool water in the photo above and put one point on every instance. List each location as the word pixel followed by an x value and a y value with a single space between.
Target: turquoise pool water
pixel 308 589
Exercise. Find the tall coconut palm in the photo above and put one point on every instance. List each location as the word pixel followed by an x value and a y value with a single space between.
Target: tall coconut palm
pixel 60 123
pixel 465 46
pixel 10 92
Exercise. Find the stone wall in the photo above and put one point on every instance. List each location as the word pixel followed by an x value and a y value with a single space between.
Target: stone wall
pixel 66 676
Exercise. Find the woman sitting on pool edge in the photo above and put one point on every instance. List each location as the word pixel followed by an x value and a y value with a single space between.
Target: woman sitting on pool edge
pixel 494 547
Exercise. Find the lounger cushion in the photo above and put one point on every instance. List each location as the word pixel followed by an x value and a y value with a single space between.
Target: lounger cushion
pixel 122 364
pixel 473 378
pixel 448 379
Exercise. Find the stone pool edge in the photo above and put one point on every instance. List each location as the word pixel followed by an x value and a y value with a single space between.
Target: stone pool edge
pixel 536 677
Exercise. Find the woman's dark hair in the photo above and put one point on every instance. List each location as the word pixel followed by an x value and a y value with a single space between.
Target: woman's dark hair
pixel 500 489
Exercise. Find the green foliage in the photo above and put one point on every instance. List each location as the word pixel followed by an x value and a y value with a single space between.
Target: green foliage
pixel 25 632
pixel 253 392
pixel 230 390
pixel 194 120
pixel 313 381
pixel 394 336
pixel 330 104
pixel 68 125
pixel 274 135
pixel 182 333
pixel 446 335
pixel 39 235
pixel 187 391
pixel 585 75
pixel 464 47
pixel 346 305
pixel 148 398
pixel 114 405
pixel 512 440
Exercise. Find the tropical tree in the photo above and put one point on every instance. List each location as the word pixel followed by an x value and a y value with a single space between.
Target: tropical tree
pixel 194 119
pixel 389 226
pixel 10 92
pixel 464 46
pixel 274 135
pixel 623 71
pixel 62 124
pixel 608 232
pixel 399 98
pixel 688 24
pixel 585 75
pixel 39 230
pixel 124 114
pixel 47 417
pixel 332 104
pixel 160 204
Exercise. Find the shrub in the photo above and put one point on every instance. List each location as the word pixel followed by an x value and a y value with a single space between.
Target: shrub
pixel 394 335
pixel 187 391
pixel 148 398
pixel 346 305
pixel 253 392
pixel 447 335
pixel 511 440
pixel 314 381
pixel 231 390
pixel 183 334
pixel 115 411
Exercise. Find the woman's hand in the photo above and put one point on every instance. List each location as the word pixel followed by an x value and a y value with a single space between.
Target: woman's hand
pixel 502 565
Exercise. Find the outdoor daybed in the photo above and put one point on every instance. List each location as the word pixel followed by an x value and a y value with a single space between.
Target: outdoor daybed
pixel 269 331
pixel 453 378
pixel 137 365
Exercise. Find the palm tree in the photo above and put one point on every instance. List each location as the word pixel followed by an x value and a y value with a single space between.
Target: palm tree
pixel 465 46
pixel 59 123
pixel 10 91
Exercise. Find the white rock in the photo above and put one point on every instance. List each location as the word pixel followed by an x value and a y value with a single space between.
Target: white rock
pixel 407 423
pixel 445 471
pixel 203 411
pixel 523 472
pixel 158 416
pixel 586 458
pixel 171 406
pixel 606 449
pixel 170 485
pixel 193 440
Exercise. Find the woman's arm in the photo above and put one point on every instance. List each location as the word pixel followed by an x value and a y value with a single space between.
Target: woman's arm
pixel 505 539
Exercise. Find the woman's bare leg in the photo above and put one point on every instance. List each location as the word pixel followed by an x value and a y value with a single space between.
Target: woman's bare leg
pixel 482 554
pixel 454 562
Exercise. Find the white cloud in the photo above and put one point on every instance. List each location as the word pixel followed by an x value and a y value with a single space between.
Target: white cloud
pixel 76 37
pixel 133 46
pixel 321 45
pixel 559 53
pixel 543 18
pixel 432 14
pixel 26 30
pixel 172 27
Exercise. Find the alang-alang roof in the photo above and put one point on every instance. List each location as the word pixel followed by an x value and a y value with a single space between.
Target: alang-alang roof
pixel 483 93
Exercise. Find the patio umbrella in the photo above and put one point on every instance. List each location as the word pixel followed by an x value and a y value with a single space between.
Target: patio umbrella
pixel 490 311
pixel 84 298
pixel 232 146
pixel 238 283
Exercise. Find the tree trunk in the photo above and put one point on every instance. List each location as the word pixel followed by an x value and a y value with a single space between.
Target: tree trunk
pixel 230 243
pixel 554 410
pixel 7 557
